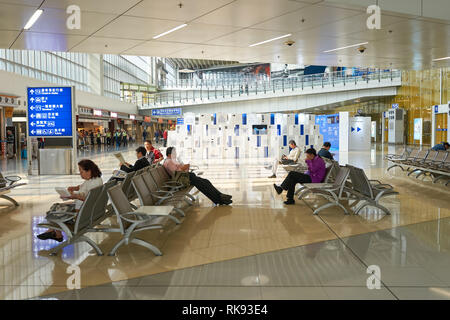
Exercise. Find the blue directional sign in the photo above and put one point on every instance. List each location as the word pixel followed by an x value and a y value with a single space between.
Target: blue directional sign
pixel 50 111
pixel 167 112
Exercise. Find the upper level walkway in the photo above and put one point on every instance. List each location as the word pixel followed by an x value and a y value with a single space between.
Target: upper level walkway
pixel 191 93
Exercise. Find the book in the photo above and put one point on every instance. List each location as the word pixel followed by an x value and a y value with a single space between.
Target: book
pixel 119 157
pixel 63 192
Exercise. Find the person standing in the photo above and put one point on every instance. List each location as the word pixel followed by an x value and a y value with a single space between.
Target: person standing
pixel 118 138
pixel 165 134
pixel 99 139
pixel 10 144
pixel 156 136
pixel 108 138
pixel 144 134
pixel 124 138
pixel 91 135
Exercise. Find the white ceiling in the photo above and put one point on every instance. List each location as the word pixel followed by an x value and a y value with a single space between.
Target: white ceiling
pixel 224 29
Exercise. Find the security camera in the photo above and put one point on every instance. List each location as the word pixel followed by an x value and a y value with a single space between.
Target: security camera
pixel 289 43
pixel 362 49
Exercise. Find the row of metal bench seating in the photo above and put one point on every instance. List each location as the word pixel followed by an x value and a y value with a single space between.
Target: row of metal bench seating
pixel 161 200
pixel 427 162
pixel 347 184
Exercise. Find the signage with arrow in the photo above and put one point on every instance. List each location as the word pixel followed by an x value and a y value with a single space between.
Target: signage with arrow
pixel 53 103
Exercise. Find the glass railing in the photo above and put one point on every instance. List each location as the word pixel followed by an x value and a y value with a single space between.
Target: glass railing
pixel 211 92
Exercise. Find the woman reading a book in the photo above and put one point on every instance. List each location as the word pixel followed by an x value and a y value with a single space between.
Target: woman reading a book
pixel 91 175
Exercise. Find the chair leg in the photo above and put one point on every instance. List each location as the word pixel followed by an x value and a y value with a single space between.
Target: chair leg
pixel 180 212
pixel 10 199
pixel 92 244
pixel 54 250
pixel 379 206
pixel 174 219
pixel 118 244
pixel 190 196
pixel 328 205
pixel 412 171
pixel 147 245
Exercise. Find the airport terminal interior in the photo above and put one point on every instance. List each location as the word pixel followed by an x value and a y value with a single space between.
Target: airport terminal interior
pixel 224 150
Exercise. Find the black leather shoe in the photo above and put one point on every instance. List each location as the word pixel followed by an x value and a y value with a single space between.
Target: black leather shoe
pixel 225 197
pixel 289 201
pixel 278 189
pixel 272 176
pixel 49 235
pixel 226 202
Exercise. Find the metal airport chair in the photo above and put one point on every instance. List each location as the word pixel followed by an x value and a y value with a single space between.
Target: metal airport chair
pixel 329 171
pixel 75 232
pixel 330 191
pixel 6 184
pixel 421 163
pixel 146 198
pixel 101 210
pixel 398 162
pixel 402 156
pixel 132 221
pixel 365 192
pixel 160 192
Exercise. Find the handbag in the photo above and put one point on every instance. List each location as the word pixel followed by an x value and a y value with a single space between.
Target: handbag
pixel 182 177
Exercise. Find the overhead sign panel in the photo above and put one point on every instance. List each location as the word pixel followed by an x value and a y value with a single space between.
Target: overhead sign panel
pixel 50 111
pixel 167 112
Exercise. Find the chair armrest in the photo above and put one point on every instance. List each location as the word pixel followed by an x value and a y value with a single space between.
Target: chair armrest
pixel 137 217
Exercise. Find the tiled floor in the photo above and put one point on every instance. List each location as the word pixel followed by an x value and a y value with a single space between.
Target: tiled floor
pixel 255 249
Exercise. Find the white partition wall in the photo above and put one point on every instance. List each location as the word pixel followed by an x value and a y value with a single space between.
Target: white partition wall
pixel 354 133
pixel 234 136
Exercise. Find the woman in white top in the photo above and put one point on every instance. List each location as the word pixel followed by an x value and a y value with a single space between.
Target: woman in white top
pixel 89 172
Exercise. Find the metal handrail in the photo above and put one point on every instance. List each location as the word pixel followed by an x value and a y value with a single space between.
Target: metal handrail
pixel 204 91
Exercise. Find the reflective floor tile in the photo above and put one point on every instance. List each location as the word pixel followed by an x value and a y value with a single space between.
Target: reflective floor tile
pixel 235 272
pixel 357 293
pixel 411 293
pixel 163 293
pixel 228 293
pixel 293 293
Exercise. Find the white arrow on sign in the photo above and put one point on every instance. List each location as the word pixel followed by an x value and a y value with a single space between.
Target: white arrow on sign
pixel 31 108
pixel 32 124
pixel 32 131
pixel 32 115
pixel 32 91
pixel 32 99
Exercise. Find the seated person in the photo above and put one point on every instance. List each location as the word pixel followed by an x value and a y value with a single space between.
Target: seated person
pixel 140 163
pixel 325 151
pixel 203 185
pixel 89 172
pixel 441 147
pixel 315 174
pixel 290 159
pixel 152 154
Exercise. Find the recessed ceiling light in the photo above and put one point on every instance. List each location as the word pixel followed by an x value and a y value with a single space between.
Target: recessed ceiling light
pixel 33 19
pixel 262 42
pixel 446 58
pixel 346 47
pixel 171 30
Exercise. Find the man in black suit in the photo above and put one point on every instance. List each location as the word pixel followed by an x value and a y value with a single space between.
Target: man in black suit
pixel 141 162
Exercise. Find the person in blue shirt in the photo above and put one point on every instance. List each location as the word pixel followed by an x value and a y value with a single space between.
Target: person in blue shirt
pixel 325 151
pixel 441 146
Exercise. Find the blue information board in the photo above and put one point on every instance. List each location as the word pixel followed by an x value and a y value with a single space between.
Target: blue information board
pixel 50 111
pixel 329 128
pixel 167 112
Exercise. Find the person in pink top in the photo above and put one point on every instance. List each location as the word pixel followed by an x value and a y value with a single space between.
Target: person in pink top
pixel 315 174
pixel 203 185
